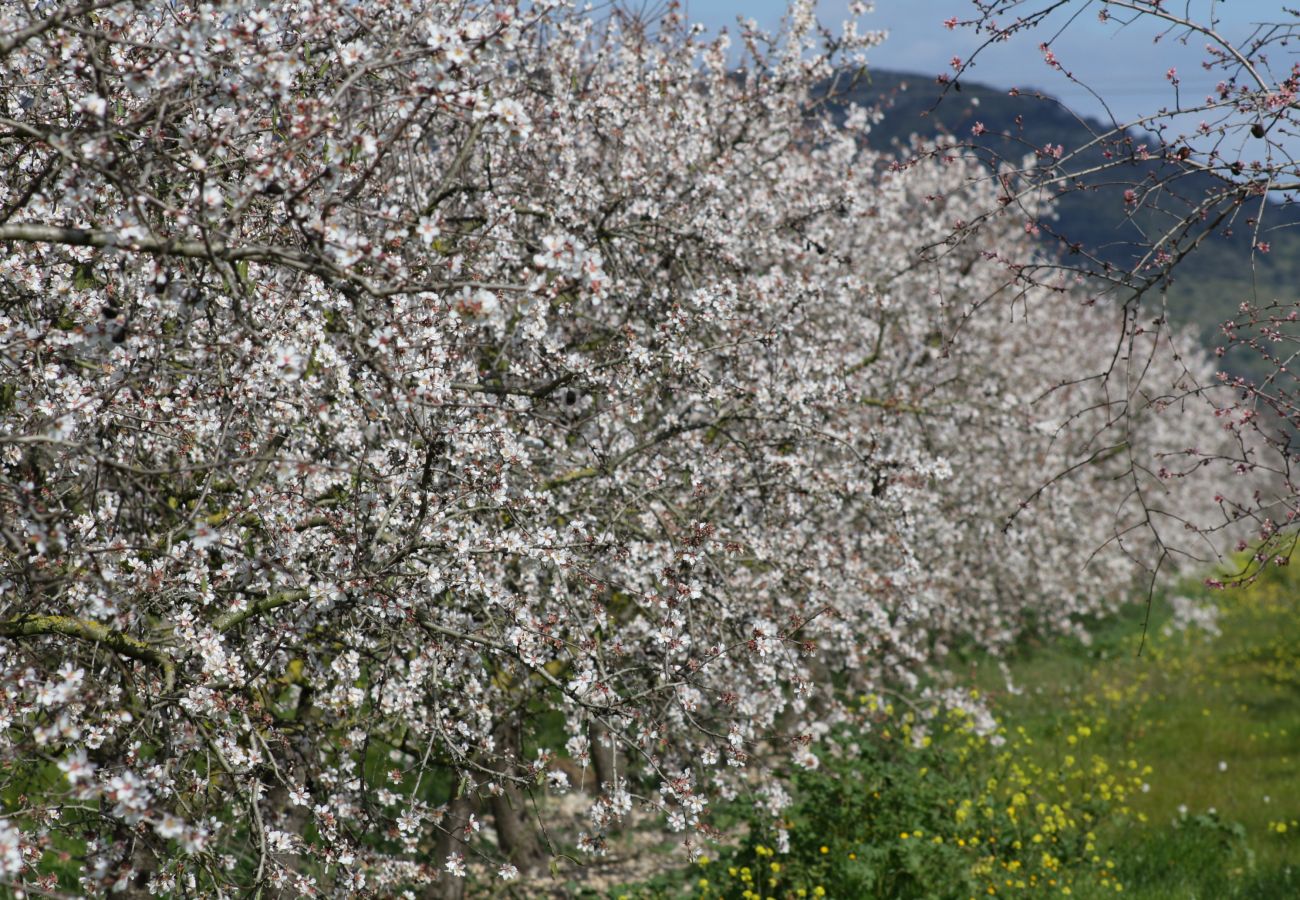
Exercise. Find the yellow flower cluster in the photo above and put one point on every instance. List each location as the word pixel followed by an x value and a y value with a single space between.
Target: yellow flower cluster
pixel 1029 826
pixel 759 882
pixel 1032 820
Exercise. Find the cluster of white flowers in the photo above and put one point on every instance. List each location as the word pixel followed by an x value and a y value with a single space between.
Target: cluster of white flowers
pixel 11 850
pixel 1189 612
pixel 466 370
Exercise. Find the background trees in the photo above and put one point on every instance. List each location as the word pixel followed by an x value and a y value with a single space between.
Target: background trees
pixel 399 398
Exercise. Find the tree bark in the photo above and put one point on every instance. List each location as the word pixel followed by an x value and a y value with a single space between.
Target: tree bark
pixel 604 758
pixel 451 839
pixel 517 835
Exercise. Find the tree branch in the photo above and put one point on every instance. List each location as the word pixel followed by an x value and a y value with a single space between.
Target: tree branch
pixel 89 237
pixel 91 632
pixel 224 623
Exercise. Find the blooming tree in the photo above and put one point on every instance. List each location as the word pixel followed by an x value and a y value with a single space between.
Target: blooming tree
pixel 399 400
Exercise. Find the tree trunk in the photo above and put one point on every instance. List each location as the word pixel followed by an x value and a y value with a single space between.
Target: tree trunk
pixel 451 839
pixel 516 833
pixel 604 758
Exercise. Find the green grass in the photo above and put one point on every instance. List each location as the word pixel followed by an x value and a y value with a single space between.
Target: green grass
pixel 1218 719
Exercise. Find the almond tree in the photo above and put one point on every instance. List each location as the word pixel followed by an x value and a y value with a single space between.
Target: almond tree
pixel 405 406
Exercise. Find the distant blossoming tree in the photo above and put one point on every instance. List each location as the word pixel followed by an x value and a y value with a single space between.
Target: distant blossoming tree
pixel 400 399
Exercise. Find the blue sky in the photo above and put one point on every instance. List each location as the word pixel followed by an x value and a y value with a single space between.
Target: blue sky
pixel 1124 65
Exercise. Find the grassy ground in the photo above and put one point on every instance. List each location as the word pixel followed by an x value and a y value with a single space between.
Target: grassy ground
pixel 1216 717
pixel 1170 774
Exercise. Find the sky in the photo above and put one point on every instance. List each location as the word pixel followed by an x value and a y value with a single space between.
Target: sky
pixel 1123 65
